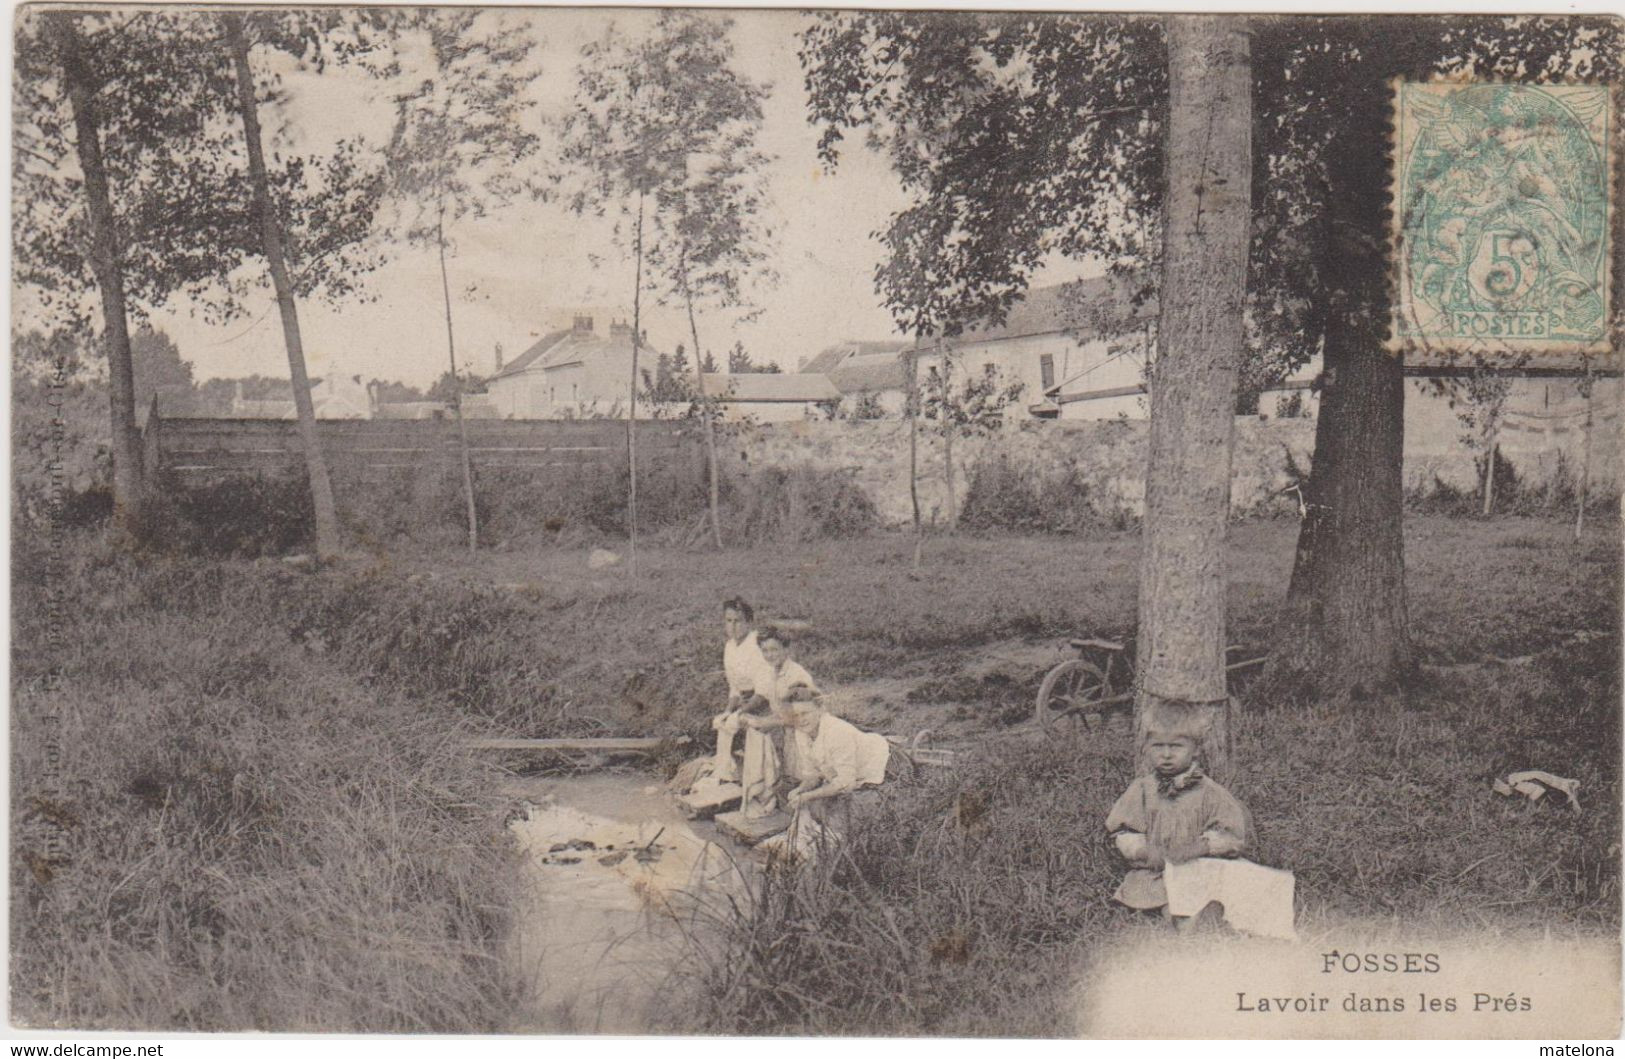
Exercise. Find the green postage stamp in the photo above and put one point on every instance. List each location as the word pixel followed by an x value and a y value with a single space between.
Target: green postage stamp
pixel 1502 218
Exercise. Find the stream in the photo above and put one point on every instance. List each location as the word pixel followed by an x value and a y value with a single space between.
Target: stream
pixel 618 885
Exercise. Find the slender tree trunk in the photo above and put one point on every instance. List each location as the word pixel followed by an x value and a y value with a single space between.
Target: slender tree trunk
pixel 321 486
pixel 457 390
pixel 948 427
pixel 913 403
pixel 1187 500
pixel 1343 630
pixel 1489 476
pixel 632 407
pixel 1585 457
pixel 705 415
pixel 105 264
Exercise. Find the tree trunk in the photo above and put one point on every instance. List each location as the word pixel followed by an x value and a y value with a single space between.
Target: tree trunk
pixel 457 390
pixel 1585 458
pixel 321 486
pixel 1489 477
pixel 632 406
pixel 705 416
pixel 948 427
pixel 913 407
pixel 105 264
pixel 1343 631
pixel 1187 500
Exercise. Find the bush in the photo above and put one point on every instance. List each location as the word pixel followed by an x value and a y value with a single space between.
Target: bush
pixel 271 515
pixel 797 504
pixel 1003 496
pixel 1514 495
pixel 245 516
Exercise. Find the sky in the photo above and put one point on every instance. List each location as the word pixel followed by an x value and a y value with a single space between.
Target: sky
pixel 514 273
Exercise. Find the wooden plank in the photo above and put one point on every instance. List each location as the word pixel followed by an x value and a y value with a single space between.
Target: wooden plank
pixel 708 801
pixel 750 832
pixel 584 744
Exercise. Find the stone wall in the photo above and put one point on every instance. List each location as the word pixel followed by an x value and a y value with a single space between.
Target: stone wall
pixel 1110 456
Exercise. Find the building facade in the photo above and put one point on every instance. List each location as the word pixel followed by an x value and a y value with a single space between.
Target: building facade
pixel 580 372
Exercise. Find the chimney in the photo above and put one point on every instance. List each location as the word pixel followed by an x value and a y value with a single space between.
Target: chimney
pixel 619 327
pixel 497 357
pixel 582 324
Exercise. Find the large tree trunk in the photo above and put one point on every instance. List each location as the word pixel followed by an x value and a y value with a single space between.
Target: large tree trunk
pixel 321 486
pixel 705 416
pixel 106 266
pixel 1343 633
pixel 457 391
pixel 1204 276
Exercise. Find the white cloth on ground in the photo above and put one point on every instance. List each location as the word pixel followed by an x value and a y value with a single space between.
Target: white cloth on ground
pixel 1256 899
pixel 760 775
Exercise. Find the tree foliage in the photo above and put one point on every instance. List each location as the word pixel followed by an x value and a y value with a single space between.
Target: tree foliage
pixel 1023 136
pixel 463 130
pixel 972 406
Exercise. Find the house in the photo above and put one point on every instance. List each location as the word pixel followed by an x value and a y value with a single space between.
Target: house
pixel 570 373
pixel 872 377
pixel 334 397
pixel 1079 349
pixel 772 397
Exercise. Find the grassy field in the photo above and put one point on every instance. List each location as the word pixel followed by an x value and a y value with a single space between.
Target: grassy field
pixel 266 822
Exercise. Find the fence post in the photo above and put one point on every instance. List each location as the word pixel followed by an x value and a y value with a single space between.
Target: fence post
pixel 151 448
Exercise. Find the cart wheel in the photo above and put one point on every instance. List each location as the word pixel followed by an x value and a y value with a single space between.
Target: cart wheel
pixel 1069 690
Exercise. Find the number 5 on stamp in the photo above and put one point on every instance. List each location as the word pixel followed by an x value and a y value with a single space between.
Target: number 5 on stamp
pixel 1502 218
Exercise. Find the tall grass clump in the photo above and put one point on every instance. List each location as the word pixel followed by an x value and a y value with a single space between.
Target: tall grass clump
pixel 955 909
pixel 1006 496
pixel 797 504
pixel 215 827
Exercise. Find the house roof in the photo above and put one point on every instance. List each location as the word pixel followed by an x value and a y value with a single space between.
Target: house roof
pixel 859 367
pixel 559 348
pixel 826 360
pixel 1103 305
pixel 536 352
pixel 775 386
pixel 871 372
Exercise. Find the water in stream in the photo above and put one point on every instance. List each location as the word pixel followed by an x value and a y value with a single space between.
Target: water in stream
pixel 619 880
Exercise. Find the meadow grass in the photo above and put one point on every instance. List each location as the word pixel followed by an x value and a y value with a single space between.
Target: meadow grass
pixel 267 824
pixel 215 827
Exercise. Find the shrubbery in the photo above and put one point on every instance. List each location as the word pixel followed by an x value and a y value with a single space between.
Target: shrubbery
pixel 1004 496
pixel 252 516
pixel 1514 494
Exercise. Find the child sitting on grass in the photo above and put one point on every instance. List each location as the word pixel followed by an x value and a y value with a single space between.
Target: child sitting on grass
pixel 1172 815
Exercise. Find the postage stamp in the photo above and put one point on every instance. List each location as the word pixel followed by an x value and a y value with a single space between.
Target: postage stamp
pixel 1503 207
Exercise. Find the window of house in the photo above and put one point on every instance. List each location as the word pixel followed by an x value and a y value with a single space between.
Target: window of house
pixel 1046 371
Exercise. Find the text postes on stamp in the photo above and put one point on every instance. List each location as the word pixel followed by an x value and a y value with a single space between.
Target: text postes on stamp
pixel 1502 219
